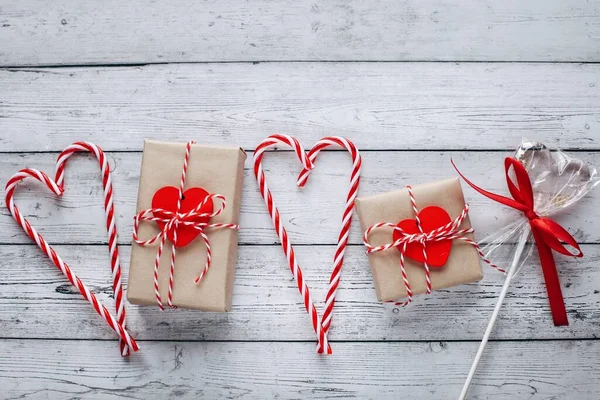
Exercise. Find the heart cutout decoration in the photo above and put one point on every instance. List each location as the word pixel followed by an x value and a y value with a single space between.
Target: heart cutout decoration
pixel 56 186
pixel 320 325
pixel 165 198
pixel 431 218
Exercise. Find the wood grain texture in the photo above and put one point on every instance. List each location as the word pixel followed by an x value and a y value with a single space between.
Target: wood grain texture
pixel 90 369
pixel 378 105
pixel 69 32
pixel 267 306
pixel 77 217
pixel 115 73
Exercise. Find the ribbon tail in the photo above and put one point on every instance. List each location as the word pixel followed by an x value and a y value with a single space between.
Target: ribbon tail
pixel 553 288
pixel 496 197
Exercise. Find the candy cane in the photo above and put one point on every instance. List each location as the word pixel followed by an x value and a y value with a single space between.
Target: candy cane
pixel 321 326
pixel 338 258
pixel 57 187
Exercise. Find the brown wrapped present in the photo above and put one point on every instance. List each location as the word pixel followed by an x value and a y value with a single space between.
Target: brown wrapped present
pixel 217 170
pixel 462 265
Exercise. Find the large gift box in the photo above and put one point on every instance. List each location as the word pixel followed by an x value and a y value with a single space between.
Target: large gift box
pixel 462 265
pixel 217 170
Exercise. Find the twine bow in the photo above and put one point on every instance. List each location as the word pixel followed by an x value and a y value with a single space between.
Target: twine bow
pixel 548 235
pixel 450 231
pixel 172 221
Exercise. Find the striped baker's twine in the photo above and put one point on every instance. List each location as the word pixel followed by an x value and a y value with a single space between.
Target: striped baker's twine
pixel 449 231
pixel 172 220
pixel 127 343
pixel 320 326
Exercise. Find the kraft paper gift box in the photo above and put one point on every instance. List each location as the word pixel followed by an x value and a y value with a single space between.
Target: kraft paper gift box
pixel 218 170
pixel 463 264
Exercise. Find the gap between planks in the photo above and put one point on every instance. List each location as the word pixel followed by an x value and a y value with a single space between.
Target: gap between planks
pixel 33 68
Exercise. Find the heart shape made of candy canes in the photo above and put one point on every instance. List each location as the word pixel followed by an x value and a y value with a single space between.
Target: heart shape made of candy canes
pixel 431 218
pixel 56 186
pixel 320 325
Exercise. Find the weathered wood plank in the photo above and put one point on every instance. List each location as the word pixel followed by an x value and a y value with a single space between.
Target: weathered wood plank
pixel 70 32
pixel 78 217
pixel 36 301
pixel 92 369
pixel 378 105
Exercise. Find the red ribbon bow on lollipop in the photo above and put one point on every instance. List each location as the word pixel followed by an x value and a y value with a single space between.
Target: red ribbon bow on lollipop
pixel 548 235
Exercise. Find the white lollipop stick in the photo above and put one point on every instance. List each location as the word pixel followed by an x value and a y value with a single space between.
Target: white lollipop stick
pixel 509 275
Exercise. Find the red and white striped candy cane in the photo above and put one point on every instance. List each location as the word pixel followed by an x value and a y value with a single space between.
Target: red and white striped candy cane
pixel 338 258
pixel 57 187
pixel 321 326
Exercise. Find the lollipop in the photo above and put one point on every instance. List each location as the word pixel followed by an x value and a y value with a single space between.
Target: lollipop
pixel 541 183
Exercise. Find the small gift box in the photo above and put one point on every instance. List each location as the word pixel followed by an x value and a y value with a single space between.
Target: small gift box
pixel 389 222
pixel 188 210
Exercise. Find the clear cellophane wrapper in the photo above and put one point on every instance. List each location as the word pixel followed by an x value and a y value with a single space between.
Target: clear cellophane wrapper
pixel 558 180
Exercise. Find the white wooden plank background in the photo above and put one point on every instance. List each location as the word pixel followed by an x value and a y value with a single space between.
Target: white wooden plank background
pixel 266 305
pixel 404 105
pixel 36 32
pixel 226 72
pixel 513 370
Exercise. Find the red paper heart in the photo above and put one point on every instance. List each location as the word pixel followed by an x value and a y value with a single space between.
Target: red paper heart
pixel 431 217
pixel 166 199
